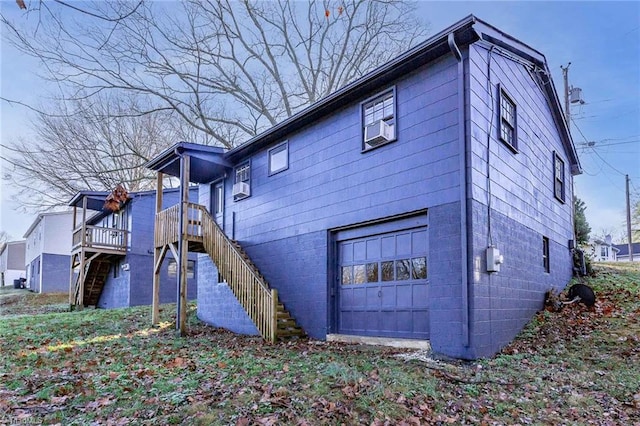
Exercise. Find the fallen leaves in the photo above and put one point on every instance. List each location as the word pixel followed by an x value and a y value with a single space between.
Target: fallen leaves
pixel 578 366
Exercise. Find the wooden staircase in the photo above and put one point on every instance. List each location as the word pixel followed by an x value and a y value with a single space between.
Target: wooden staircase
pixel 286 325
pixel 96 274
pixel 235 267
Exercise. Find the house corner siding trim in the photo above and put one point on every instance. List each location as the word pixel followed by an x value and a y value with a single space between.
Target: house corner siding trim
pixel 466 220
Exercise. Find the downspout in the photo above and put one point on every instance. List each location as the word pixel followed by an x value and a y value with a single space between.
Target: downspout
pixel 464 209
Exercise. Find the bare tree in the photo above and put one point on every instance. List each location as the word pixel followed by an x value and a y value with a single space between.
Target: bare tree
pixel 5 237
pixel 90 144
pixel 227 69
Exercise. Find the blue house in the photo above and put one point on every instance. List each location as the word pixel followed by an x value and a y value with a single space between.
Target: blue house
pixel 112 252
pixel 428 200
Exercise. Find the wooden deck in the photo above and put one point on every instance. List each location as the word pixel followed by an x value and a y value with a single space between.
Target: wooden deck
pixel 92 254
pixel 100 239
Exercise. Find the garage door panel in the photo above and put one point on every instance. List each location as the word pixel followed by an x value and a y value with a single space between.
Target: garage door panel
pixel 359 298
pixel 388 321
pixel 360 251
pixel 388 296
pixel 373 298
pixel 403 244
pixel 373 249
pixel 405 296
pixel 384 287
pixel 359 320
pixel 388 247
pixel 346 320
pixel 346 252
pixel 420 295
pixel 346 298
pixel 404 321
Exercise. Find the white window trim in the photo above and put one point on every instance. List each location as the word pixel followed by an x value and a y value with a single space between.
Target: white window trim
pixel 503 93
pixel 248 180
pixel 392 120
pixel 562 179
pixel 284 146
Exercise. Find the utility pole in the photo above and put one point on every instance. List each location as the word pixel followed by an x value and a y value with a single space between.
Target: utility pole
pixel 572 95
pixel 629 221
pixel 567 111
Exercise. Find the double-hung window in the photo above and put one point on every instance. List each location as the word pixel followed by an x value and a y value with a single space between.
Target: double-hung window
pixel 242 181
pixel 558 177
pixel 379 120
pixel 508 120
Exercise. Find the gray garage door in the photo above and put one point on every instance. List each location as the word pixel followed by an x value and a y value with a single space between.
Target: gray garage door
pixel 383 285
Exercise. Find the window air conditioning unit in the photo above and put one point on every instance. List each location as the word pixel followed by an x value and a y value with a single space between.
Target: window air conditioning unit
pixel 241 189
pixel 377 133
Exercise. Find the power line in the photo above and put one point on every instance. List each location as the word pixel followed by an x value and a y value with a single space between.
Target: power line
pixel 596 144
pixel 596 152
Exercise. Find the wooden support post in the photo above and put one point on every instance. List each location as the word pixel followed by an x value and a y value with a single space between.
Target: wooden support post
pixel 183 245
pixel 72 286
pixel 83 243
pixel 155 308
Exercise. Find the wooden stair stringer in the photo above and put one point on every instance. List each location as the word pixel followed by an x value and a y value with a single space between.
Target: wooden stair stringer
pixel 286 325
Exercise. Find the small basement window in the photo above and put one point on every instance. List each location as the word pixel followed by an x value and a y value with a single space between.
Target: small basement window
pixel 508 120
pixel 379 120
pixel 242 182
pixel 545 254
pixel 172 268
pixel 558 177
pixel 279 158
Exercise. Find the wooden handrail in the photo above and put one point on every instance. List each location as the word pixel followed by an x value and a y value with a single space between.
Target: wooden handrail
pixel 259 301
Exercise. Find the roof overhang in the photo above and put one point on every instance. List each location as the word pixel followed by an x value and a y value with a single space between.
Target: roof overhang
pixel 95 199
pixel 206 162
pixel 494 36
pixel 423 53
pixel 465 32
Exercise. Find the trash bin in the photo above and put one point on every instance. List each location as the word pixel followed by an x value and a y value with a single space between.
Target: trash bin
pixel 17 283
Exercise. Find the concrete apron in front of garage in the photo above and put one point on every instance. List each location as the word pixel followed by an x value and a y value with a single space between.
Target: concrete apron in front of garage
pixel 381 341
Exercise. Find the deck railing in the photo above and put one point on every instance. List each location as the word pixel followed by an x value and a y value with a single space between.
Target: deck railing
pixel 99 237
pixel 167 226
pixel 259 301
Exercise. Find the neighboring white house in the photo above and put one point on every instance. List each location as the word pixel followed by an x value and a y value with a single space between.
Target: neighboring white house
pixel 48 252
pixel 12 262
pixel 623 252
pixel 602 251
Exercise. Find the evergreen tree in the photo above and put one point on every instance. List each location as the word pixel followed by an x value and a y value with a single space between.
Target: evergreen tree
pixel 581 226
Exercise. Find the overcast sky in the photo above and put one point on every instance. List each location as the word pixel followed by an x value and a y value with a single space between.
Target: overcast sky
pixel 600 39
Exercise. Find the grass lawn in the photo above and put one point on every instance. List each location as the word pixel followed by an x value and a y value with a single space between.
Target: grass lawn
pixel 578 366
